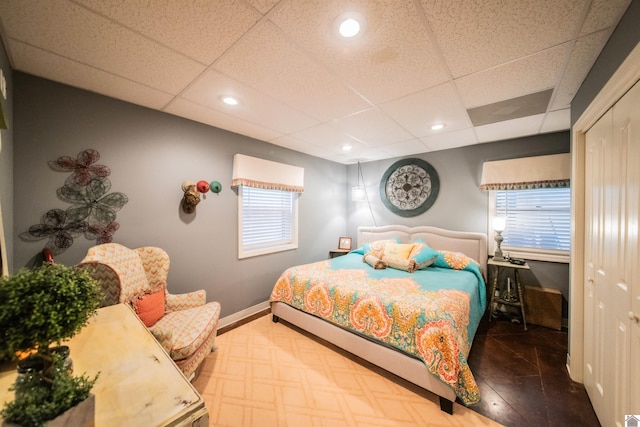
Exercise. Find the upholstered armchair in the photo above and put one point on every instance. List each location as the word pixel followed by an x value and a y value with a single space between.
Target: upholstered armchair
pixel 184 324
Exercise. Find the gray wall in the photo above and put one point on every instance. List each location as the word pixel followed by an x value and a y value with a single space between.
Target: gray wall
pixel 150 154
pixel 625 37
pixel 6 159
pixel 460 204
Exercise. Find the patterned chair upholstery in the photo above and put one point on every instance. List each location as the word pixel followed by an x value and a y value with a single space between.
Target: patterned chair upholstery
pixel 186 329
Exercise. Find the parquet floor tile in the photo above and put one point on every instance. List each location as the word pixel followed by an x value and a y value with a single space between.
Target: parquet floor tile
pixel 271 374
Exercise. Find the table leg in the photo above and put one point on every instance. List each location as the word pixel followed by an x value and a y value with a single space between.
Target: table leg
pixel 520 297
pixel 493 291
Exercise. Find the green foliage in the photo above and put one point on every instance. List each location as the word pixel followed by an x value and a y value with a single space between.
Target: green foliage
pixel 40 307
pixel 45 305
pixel 39 400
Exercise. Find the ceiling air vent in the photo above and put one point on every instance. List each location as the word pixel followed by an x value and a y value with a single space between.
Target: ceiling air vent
pixel 522 106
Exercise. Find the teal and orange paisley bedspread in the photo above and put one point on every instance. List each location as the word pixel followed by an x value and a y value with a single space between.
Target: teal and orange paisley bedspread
pixel 431 314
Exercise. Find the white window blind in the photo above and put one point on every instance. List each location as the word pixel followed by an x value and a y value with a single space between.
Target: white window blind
pixel 268 221
pixel 267 205
pixel 536 219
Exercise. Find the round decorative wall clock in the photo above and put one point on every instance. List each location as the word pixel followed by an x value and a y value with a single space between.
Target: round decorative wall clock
pixel 409 187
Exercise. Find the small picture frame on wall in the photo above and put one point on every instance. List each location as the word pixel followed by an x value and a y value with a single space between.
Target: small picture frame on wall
pixel 344 243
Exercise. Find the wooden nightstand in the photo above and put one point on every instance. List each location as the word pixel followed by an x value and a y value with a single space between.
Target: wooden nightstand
pixel 513 297
pixel 338 252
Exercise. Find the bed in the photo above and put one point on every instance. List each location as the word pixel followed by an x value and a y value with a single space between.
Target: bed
pixel 418 325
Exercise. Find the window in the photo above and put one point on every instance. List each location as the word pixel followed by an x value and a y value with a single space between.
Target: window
pixel 268 221
pixel 268 194
pixel 538 222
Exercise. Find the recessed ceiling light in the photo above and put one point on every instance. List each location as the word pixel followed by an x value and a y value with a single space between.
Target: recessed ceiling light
pixel 229 100
pixel 438 126
pixel 349 24
pixel 350 27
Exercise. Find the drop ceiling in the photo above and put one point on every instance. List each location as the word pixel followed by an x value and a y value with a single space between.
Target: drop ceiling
pixel 302 86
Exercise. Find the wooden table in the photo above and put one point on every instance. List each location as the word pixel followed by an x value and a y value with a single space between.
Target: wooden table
pixel 139 385
pixel 515 299
pixel 338 252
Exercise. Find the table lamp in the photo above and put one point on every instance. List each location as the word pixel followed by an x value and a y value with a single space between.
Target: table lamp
pixel 499 224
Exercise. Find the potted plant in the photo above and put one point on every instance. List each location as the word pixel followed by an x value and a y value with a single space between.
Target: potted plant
pixel 39 309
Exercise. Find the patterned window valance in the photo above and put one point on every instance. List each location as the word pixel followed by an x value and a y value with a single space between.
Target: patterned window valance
pixel 551 171
pixel 259 173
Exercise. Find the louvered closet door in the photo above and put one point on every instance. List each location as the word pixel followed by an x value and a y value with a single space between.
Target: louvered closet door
pixel 612 272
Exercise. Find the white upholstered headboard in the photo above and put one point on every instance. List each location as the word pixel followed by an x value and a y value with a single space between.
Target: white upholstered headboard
pixel 473 245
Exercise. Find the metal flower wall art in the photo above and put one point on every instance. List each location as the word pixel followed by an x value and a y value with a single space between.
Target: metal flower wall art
pixel 93 208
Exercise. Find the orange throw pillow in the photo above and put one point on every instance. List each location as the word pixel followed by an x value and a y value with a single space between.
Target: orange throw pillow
pixel 150 307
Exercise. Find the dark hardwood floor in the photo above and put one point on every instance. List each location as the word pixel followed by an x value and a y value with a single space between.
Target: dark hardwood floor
pixel 523 379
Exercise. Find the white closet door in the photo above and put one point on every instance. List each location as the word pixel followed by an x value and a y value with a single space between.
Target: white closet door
pixel 612 263
pixel 626 295
pixel 598 139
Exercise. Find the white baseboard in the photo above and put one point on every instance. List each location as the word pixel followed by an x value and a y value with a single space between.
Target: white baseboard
pixel 242 314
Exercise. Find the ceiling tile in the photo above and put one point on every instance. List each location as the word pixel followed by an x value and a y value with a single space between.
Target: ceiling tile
pixel 603 14
pixel 72 31
pixel 476 35
pixel 450 140
pixel 253 106
pixel 521 106
pixel 199 29
pixel 327 136
pixel 341 158
pixel 334 152
pixel 393 46
pixel 528 75
pixel 32 60
pixel 364 154
pixel 372 127
pixel 265 59
pixel 263 6
pixel 415 63
pixel 510 129
pixel 292 143
pixel 583 55
pixel 556 121
pixel 418 112
pixel 407 148
pixel 192 111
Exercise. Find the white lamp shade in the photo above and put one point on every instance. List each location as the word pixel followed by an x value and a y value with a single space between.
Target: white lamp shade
pixel 358 194
pixel 499 223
